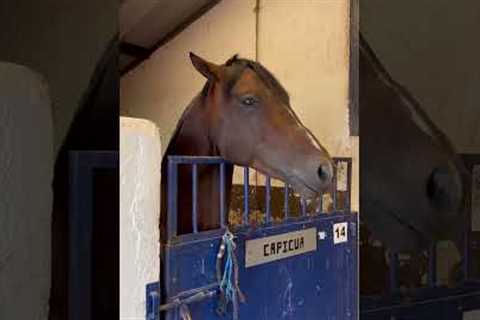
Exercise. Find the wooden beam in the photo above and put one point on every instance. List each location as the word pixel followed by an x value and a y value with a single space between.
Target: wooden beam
pixel 134 50
pixel 172 34
pixel 354 72
pixel 191 19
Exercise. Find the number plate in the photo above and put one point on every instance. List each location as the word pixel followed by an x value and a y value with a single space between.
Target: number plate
pixel 268 249
pixel 340 232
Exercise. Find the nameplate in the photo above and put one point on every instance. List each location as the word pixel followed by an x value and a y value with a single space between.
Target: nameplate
pixel 268 249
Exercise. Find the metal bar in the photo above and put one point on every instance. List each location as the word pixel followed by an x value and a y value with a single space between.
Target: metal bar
pixel 334 188
pixel 285 201
pixel 80 238
pixel 164 289
pixel 354 70
pixel 320 203
pixel 393 270
pixel 268 196
pixel 466 247
pixel 172 199
pixel 349 186
pixel 198 160
pixel 246 177
pixel 396 308
pixel 303 205
pixel 80 218
pixel 194 197
pixel 200 296
pixel 432 266
pixel 153 298
pixel 222 194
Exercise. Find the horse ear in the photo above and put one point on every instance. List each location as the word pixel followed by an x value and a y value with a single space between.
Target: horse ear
pixel 207 69
pixel 232 59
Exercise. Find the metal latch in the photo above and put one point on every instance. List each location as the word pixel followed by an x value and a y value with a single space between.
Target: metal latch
pixel 153 300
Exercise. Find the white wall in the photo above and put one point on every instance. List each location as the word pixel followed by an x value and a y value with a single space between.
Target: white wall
pixel 139 213
pixel 304 43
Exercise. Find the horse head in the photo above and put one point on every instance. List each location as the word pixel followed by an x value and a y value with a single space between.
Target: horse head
pixel 251 123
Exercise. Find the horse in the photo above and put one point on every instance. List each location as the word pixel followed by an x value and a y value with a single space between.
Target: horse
pixel 414 187
pixel 243 115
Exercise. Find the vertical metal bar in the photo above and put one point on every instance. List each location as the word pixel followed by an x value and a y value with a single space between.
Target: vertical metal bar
pixel 466 247
pixel 432 266
pixel 80 237
pixel 222 194
pixel 268 196
pixel 320 203
pixel 246 177
pixel 393 270
pixel 303 205
pixel 153 303
pixel 334 188
pixel 172 199
pixel 349 186
pixel 194 197
pixel 165 290
pixel 285 201
pixel 466 258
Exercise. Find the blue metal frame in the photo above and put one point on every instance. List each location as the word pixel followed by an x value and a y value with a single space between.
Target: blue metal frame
pixel 81 167
pixel 175 161
pixel 321 284
pixel 317 285
pixel 438 303
pixel 431 302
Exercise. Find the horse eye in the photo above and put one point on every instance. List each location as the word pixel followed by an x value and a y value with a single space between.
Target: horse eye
pixel 249 101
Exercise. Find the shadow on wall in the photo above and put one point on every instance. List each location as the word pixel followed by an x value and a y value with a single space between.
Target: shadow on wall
pixel 26 170
pixel 95 127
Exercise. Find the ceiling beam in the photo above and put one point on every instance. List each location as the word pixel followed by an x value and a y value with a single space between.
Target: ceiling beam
pixel 134 50
pixel 172 34
pixel 184 24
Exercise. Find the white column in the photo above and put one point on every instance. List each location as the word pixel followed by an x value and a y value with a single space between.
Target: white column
pixel 140 161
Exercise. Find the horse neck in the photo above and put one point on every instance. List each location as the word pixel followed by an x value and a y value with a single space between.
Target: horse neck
pixel 192 139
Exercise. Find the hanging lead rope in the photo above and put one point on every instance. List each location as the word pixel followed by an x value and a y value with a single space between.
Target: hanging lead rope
pixel 228 282
pixel 185 312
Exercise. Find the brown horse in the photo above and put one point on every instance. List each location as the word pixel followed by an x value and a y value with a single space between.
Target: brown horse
pixel 413 185
pixel 242 114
